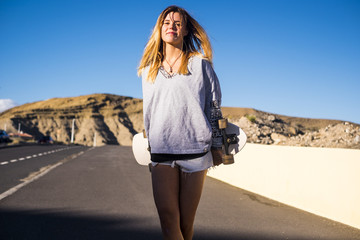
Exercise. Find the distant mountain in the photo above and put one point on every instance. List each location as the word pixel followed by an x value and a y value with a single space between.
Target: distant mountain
pixel 115 119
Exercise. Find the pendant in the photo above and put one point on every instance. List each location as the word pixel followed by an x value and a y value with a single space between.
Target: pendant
pixel 170 69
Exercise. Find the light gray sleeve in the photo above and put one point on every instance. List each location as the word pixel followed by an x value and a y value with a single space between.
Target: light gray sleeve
pixel 147 92
pixel 213 102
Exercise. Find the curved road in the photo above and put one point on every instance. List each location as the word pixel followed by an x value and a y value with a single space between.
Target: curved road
pixel 104 194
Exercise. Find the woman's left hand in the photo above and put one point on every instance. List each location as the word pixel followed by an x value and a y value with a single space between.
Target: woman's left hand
pixel 217 156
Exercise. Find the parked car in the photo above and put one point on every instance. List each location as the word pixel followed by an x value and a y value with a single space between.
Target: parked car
pixel 4 137
pixel 46 140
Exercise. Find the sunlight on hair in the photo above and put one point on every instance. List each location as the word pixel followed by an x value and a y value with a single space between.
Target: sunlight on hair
pixel 196 42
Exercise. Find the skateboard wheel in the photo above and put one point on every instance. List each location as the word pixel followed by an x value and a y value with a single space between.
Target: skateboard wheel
pixel 223 123
pixel 228 159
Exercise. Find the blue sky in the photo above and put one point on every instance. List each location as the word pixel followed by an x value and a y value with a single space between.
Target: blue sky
pixel 290 57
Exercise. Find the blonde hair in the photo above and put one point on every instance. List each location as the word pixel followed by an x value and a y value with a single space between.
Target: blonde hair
pixel 196 42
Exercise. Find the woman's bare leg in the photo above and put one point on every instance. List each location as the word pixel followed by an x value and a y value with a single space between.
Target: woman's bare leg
pixel 166 182
pixel 191 185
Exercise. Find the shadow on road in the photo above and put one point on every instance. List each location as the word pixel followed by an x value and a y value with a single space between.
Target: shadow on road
pixel 17 224
pixel 40 225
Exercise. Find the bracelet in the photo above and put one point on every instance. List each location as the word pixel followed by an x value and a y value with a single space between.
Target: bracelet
pixel 216 148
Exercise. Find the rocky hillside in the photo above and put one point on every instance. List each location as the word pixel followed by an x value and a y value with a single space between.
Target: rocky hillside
pixel 115 119
pixel 268 128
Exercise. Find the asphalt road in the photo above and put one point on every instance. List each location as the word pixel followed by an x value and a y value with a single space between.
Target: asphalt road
pixel 17 163
pixel 104 194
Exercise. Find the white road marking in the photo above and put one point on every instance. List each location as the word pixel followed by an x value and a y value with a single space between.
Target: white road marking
pixel 34 156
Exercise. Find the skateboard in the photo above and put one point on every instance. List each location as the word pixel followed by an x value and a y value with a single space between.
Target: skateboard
pixel 234 139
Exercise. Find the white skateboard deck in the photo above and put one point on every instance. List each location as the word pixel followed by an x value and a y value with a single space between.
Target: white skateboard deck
pixel 140 149
pixel 241 136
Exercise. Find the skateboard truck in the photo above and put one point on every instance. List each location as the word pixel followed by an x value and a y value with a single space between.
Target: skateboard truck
pixel 144 134
pixel 228 139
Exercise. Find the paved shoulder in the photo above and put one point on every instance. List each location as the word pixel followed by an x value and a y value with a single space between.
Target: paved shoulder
pixel 227 212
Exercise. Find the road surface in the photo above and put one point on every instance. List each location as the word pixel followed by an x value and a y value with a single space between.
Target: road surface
pixel 101 193
pixel 17 163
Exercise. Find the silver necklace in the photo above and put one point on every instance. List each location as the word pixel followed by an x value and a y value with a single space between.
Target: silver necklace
pixel 171 65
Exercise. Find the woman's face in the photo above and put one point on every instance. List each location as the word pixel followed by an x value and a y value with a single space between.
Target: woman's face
pixel 173 29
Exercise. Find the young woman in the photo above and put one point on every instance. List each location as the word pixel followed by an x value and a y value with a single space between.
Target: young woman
pixel 181 104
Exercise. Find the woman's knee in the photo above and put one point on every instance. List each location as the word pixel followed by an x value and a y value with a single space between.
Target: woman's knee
pixel 170 222
pixel 168 213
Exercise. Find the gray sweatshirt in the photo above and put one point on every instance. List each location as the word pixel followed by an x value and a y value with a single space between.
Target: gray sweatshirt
pixel 181 111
